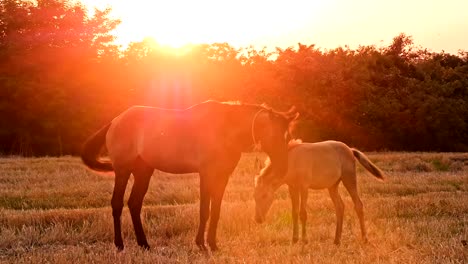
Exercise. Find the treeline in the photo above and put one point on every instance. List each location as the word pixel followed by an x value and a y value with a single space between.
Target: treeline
pixel 62 77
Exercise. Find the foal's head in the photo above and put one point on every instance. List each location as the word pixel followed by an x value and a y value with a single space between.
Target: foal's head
pixel 265 186
pixel 271 129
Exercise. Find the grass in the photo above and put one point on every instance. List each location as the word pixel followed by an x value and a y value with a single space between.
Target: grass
pixel 53 210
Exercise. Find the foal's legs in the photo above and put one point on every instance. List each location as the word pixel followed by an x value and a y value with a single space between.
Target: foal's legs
pixel 294 194
pixel 351 185
pixel 339 208
pixel 303 212
pixel 121 179
pixel 142 175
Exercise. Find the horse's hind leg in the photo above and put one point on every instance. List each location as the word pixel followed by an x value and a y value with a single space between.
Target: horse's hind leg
pixel 142 175
pixel 303 212
pixel 351 186
pixel 339 208
pixel 121 179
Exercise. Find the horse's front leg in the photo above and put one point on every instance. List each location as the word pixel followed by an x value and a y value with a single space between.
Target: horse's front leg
pixel 204 211
pixel 217 192
pixel 213 180
pixel 294 193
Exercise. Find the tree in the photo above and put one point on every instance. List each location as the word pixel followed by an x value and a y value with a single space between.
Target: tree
pixel 45 49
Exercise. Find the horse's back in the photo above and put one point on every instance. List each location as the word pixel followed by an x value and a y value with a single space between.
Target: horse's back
pixel 318 165
pixel 164 138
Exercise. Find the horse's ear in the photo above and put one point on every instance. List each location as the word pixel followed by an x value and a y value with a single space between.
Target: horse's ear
pixel 291 114
pixel 291 110
pixel 293 117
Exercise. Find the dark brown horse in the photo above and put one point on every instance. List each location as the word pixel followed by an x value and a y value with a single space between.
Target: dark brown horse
pixel 207 138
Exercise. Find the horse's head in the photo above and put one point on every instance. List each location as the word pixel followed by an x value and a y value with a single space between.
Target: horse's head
pixel 271 130
pixel 265 186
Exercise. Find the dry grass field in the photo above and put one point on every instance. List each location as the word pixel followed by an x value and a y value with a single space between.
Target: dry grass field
pixel 53 210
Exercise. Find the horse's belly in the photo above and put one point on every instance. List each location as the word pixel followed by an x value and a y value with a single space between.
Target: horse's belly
pixel 174 167
pixel 170 156
pixel 172 160
pixel 320 182
pixel 318 177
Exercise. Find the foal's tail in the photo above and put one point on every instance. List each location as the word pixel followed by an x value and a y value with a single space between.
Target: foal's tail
pixel 91 149
pixel 364 160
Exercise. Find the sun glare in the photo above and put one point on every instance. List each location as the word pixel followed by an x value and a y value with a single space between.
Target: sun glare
pixel 326 23
pixel 178 23
pixel 163 21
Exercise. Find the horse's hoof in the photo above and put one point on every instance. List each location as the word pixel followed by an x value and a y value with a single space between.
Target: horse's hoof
pixel 337 242
pixel 145 246
pixel 120 247
pixel 294 240
pixel 214 247
pixel 200 245
pixel 305 241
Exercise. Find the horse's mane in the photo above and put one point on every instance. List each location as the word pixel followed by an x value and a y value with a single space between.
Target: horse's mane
pixel 263 105
pixel 294 143
pixel 240 103
pixel 266 106
pixel 265 170
pixel 233 103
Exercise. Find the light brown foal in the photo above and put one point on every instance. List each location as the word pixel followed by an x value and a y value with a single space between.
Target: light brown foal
pixel 316 166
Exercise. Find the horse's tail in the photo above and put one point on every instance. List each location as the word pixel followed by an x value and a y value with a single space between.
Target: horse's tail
pixel 366 163
pixel 91 149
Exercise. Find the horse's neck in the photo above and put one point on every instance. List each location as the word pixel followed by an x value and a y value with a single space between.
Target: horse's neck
pixel 240 122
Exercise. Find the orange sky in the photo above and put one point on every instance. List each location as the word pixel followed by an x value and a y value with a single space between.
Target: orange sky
pixel 434 24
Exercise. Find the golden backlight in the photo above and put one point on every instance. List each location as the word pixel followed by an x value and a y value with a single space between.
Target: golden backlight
pixel 436 25
pixel 177 23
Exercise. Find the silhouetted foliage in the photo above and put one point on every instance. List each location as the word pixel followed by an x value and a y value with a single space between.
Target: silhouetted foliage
pixel 61 77
pixel 48 52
